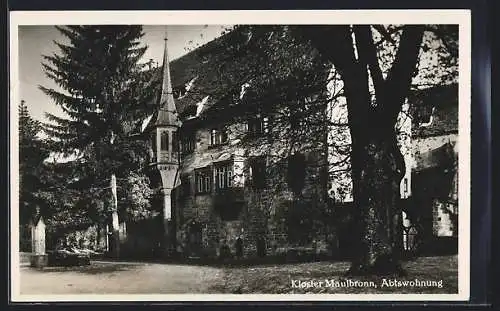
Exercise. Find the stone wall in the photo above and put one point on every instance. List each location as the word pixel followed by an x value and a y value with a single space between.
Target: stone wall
pixel 262 218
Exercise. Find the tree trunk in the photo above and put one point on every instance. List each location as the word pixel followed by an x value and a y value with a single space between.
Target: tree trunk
pixel 98 237
pixel 378 221
pixel 377 163
pixel 115 223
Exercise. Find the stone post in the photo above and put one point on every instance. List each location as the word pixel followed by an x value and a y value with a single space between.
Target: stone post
pixel 39 258
pixel 167 219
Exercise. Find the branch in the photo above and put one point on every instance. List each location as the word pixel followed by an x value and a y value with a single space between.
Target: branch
pixel 400 75
pixel 346 159
pixel 384 33
pixel 387 35
pixel 324 38
pixel 368 52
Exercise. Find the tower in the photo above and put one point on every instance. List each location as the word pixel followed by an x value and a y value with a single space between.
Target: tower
pixel 166 147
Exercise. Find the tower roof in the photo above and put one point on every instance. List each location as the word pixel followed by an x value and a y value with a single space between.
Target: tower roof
pixel 167 113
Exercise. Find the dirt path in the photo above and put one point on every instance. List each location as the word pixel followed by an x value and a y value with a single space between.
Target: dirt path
pixel 119 278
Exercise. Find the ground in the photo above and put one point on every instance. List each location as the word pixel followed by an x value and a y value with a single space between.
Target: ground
pixel 278 279
pixel 103 277
pixel 119 278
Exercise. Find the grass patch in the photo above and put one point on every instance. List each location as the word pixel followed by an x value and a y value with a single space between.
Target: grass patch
pixel 280 279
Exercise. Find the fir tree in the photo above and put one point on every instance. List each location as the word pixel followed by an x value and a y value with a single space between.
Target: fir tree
pixel 32 153
pixel 104 94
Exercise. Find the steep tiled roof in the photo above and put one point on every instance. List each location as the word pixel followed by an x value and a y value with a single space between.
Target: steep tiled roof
pixel 182 71
pixel 167 114
pixel 201 67
pixel 217 71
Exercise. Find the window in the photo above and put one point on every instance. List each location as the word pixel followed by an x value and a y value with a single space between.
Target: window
pixel 405 185
pixel 164 141
pixel 224 176
pixel 255 126
pixel 258 126
pixel 188 144
pixel 296 172
pixel 203 180
pixel 258 172
pixel 218 137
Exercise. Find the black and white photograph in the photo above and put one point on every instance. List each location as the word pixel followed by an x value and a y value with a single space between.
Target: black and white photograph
pixel 173 156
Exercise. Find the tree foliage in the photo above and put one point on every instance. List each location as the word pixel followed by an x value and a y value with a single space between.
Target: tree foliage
pixel 103 90
pixel 135 195
pixel 32 153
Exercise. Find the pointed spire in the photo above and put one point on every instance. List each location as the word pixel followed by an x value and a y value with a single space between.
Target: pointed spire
pixel 167 114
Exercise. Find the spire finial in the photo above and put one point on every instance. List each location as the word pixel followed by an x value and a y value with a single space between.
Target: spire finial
pixel 167 114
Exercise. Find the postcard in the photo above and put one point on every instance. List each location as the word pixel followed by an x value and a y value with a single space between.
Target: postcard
pixel 240 155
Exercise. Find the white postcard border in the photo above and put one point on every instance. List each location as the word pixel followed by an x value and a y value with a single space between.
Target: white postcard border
pixel 461 17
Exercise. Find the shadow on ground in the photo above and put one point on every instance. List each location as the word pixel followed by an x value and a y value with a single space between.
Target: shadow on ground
pixel 287 259
pixel 93 268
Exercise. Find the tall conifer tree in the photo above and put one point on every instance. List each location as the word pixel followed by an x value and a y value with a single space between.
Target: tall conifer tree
pixel 32 152
pixel 103 94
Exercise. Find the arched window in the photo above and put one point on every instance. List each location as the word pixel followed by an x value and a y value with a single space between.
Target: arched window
pixel 164 141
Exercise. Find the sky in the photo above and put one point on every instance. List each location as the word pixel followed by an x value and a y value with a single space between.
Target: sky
pixel 35 41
